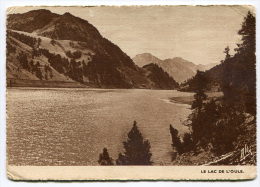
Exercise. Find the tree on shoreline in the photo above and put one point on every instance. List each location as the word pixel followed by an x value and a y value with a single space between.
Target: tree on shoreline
pixel 197 117
pixel 137 150
pixel 216 124
pixel 104 158
pixel 176 142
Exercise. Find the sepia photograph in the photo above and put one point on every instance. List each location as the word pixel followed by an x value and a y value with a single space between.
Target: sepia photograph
pixel 131 90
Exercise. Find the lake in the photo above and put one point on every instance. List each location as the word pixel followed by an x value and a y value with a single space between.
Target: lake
pixel 67 126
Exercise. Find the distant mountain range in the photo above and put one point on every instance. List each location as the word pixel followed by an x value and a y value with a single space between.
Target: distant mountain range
pixel 48 49
pixel 179 68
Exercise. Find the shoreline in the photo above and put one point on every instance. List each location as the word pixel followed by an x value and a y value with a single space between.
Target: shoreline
pixel 182 100
pixel 13 83
pixel 189 99
pixel 27 83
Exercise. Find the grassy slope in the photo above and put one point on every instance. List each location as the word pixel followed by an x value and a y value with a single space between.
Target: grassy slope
pixel 23 77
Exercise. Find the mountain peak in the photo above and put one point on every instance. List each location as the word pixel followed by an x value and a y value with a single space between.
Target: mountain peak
pixel 145 58
pixel 61 27
pixel 177 67
pixel 70 18
pixel 67 14
pixel 148 54
pixel 40 11
pixel 178 58
pixel 144 55
pixel 30 21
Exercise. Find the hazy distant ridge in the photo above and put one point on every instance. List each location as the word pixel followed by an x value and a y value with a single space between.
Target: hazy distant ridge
pixel 179 68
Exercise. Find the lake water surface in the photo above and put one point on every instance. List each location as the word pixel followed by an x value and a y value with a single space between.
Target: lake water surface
pixel 72 126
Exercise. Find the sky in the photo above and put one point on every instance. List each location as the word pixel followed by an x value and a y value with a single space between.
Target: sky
pixel 196 33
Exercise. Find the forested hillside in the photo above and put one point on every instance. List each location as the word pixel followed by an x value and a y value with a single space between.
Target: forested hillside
pixel 224 126
pixel 156 74
pixel 45 47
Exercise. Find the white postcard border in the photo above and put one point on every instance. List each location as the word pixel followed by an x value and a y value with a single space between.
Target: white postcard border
pixel 4 4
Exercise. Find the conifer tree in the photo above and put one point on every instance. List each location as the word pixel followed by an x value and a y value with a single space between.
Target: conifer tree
pixel 22 57
pixel 39 73
pixel 104 158
pixel 176 142
pixel 187 142
pixel 200 87
pixel 137 150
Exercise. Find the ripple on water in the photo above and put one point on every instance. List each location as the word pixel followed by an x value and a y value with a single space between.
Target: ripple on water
pixel 72 126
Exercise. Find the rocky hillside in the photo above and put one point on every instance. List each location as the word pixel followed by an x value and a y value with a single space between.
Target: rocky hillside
pixel 179 68
pixel 43 46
